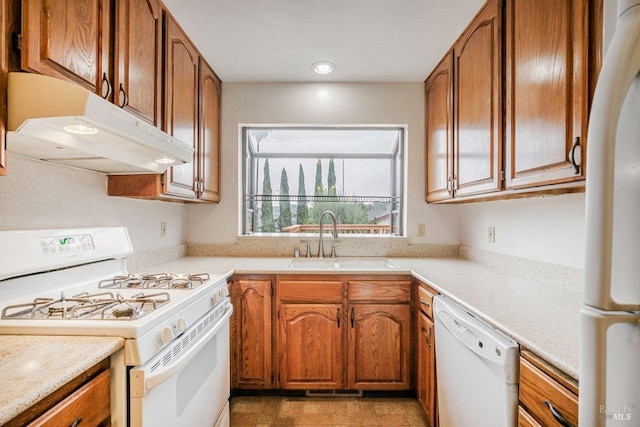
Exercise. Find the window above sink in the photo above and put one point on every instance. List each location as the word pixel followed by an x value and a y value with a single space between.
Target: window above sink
pixel 292 174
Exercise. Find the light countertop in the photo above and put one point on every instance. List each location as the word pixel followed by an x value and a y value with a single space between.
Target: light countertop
pixel 540 316
pixel 32 367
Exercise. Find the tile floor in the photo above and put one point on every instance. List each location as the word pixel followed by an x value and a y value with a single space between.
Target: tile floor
pixel 266 411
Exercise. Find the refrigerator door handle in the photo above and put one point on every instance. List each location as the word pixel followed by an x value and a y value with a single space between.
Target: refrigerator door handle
pixel 595 402
pixel 620 68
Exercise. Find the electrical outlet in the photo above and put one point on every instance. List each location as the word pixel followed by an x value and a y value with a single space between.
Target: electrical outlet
pixel 420 230
pixel 491 234
pixel 163 230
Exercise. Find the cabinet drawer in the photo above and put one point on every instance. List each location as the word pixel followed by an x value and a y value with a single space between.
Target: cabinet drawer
pixel 90 404
pixel 525 419
pixel 425 300
pixel 309 291
pixel 536 387
pixel 379 291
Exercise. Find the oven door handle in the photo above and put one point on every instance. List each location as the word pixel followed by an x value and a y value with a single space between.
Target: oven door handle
pixel 142 381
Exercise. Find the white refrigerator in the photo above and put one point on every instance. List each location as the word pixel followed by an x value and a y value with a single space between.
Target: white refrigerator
pixel 610 316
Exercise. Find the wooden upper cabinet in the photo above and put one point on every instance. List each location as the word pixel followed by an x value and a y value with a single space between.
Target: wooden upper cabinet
pixel 68 39
pixel 181 108
pixel 546 91
pixel 439 131
pixel 477 104
pixel 252 333
pixel 138 59
pixel 209 141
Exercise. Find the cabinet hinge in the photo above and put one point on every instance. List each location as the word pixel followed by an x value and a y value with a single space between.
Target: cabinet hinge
pixel 162 180
pixel 272 377
pixel 16 42
pixel 502 176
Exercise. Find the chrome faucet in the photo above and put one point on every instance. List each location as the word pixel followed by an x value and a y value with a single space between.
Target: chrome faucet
pixel 335 235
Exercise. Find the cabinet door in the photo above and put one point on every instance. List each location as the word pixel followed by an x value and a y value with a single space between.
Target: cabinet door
pixel 538 390
pixel 310 346
pixel 439 131
pixel 181 115
pixel 426 367
pixel 525 419
pixel 4 69
pixel 209 143
pixel 477 104
pixel 68 39
pixel 379 346
pixel 138 60
pixel 90 405
pixel 546 90
pixel 252 334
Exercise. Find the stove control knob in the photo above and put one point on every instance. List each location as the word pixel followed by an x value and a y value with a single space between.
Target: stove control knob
pixel 215 298
pixel 181 325
pixel 224 292
pixel 166 336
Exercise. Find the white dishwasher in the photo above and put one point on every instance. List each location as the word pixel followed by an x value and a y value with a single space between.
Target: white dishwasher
pixel 477 370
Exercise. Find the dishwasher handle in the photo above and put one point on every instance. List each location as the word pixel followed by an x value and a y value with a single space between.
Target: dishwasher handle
pixel 482 341
pixel 462 332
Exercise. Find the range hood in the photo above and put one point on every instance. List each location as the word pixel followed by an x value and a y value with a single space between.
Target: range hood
pixel 56 121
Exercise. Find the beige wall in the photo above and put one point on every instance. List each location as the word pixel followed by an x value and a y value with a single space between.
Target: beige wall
pixel 549 229
pixel 36 195
pixel 319 103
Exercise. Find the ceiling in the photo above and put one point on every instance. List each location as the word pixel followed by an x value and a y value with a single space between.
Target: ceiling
pixel 368 40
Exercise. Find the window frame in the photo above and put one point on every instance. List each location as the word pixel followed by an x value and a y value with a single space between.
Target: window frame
pixel 397 161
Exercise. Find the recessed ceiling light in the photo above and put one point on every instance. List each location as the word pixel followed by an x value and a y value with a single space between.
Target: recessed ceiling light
pixel 323 67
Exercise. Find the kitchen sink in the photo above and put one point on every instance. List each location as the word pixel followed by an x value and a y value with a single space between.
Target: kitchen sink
pixel 340 264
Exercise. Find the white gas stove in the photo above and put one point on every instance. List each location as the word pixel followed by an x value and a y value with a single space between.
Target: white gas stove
pixel 74 282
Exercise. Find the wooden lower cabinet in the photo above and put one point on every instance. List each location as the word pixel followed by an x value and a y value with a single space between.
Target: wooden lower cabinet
pixel 545 390
pixel 251 325
pixel 425 353
pixel 525 419
pixel 426 367
pixel 321 332
pixel 89 405
pixel 379 347
pixel 85 400
pixel 310 346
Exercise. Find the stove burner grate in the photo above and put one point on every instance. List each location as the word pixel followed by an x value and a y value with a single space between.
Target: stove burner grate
pixel 156 281
pixel 102 305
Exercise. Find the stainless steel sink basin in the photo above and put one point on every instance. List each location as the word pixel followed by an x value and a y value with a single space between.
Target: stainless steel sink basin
pixel 366 263
pixel 340 264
